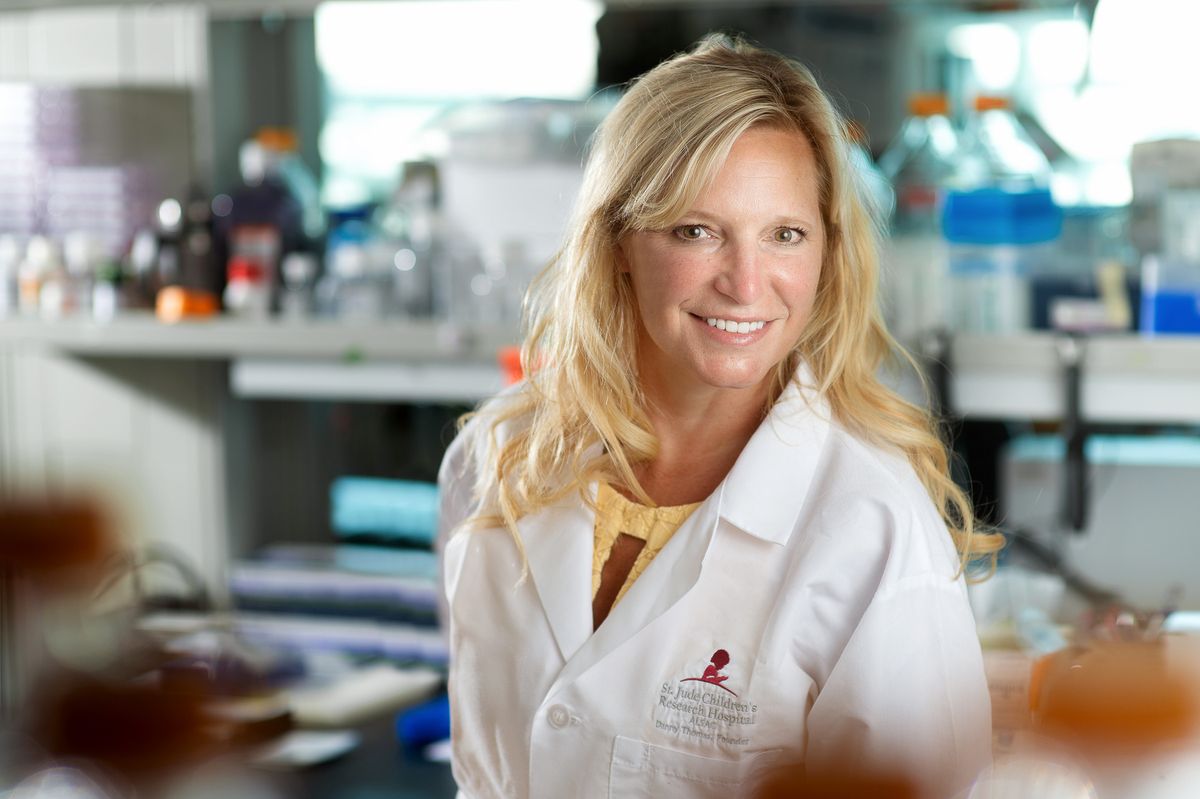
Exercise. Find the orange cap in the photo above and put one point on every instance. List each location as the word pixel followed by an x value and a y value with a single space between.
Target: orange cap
pixel 175 303
pixel 927 104
pixel 282 139
pixel 991 102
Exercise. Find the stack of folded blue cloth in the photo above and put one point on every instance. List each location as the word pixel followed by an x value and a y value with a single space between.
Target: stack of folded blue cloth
pixel 400 511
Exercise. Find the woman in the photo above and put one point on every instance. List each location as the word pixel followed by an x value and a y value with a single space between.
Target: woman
pixel 728 545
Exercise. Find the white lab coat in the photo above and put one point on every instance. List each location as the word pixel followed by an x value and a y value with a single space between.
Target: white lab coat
pixel 819 566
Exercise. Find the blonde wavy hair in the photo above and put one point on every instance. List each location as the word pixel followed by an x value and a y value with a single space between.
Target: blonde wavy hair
pixel 582 415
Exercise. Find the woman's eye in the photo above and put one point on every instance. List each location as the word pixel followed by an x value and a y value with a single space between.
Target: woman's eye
pixel 690 232
pixel 789 235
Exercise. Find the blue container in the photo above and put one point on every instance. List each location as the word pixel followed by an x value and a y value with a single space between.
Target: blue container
pixel 998 239
pixel 1170 297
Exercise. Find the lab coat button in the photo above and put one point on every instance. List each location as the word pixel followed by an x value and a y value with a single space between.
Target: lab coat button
pixel 558 716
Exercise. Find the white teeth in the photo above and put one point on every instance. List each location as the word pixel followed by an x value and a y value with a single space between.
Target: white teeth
pixel 735 327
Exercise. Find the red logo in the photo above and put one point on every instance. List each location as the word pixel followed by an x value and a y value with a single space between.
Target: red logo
pixel 712 674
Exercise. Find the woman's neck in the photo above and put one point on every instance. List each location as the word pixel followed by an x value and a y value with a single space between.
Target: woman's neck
pixel 700 436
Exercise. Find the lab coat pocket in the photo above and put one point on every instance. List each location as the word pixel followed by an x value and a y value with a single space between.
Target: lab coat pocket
pixel 643 771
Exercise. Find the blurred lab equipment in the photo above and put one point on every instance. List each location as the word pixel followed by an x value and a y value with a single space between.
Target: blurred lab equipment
pixel 921 163
pixel 266 219
pixel 1001 223
pixel 356 286
pixel 90 160
pixel 1121 546
pixel 508 175
pixel 410 222
pixel 299 278
pixel 10 265
pixel 998 151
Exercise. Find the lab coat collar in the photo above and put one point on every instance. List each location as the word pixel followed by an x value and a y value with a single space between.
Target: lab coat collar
pixel 766 488
pixel 558 543
pixel 762 495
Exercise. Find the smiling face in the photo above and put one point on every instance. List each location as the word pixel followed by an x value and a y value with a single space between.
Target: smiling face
pixel 724 293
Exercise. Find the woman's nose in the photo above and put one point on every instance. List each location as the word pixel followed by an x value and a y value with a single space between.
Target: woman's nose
pixel 741 275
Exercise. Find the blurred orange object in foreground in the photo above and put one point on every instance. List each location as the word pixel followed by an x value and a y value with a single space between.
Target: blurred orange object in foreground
pixel 509 359
pixel 40 537
pixel 176 303
pixel 1134 695
pixel 140 732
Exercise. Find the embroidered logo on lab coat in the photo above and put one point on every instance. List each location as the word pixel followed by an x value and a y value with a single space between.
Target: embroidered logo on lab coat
pixel 703 709
pixel 712 674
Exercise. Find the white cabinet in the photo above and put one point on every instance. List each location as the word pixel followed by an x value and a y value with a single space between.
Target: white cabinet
pixel 76 47
pixel 143 434
pixel 143 413
pixel 106 46
pixel 14 47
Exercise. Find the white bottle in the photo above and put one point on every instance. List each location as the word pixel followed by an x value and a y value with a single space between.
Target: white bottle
pixel 296 299
pixel 921 164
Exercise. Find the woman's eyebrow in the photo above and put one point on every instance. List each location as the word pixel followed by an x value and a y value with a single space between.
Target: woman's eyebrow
pixel 787 220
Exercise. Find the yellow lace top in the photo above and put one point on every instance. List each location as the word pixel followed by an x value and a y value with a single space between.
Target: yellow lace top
pixel 616 515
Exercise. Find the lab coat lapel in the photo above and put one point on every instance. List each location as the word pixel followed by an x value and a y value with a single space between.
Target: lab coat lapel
pixel 558 547
pixel 672 573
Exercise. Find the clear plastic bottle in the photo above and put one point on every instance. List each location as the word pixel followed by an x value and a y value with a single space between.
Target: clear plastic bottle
pixel 10 264
pixel 411 228
pixel 83 254
pixel 358 265
pixel 299 274
pixel 998 152
pixel 1001 223
pixel 921 163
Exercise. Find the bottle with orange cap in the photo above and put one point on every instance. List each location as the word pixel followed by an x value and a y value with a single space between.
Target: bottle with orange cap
pixel 1001 223
pixel 999 152
pixel 921 163
pixel 265 220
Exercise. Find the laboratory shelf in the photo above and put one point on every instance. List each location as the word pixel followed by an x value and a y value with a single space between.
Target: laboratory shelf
pixel 396 361
pixel 142 335
pixel 371 381
pixel 1125 378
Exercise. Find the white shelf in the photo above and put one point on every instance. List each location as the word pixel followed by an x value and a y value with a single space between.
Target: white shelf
pixel 142 335
pixel 262 378
pixel 1126 378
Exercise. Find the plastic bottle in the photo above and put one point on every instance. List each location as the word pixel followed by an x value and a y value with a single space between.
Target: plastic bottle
pixel 265 219
pixel 247 290
pixel 921 163
pixel 83 255
pixel 40 278
pixel 107 299
pixel 998 152
pixel 410 224
pixel 10 265
pixel 299 273
pixel 1001 225
pixel 299 179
